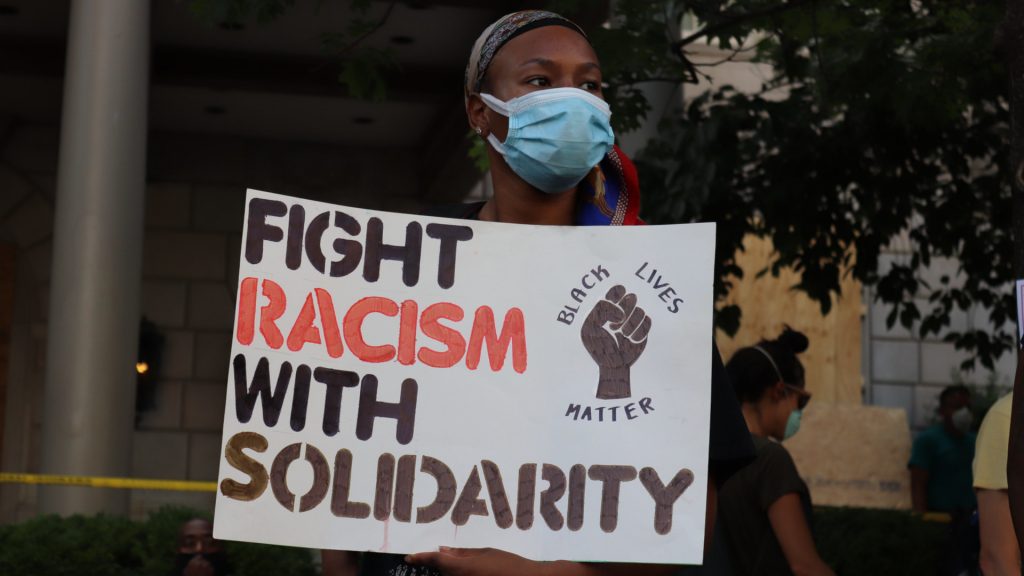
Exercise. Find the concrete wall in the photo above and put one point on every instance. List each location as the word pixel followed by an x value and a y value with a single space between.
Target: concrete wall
pixel 907 371
pixel 26 222
pixel 194 209
pixel 7 252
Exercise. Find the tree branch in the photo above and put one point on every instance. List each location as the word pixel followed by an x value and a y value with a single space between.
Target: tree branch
pixel 712 29
pixel 359 39
pixel 731 56
pixel 817 45
pixel 665 79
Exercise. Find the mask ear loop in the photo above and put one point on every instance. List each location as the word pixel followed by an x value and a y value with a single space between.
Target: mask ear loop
pixel 772 361
pixel 501 108
pixel 495 104
pixel 774 366
pixel 498 146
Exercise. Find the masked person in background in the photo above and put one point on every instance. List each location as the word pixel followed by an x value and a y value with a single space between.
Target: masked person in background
pixel 533 93
pixel 199 554
pixel 765 508
pixel 940 462
pixel 941 479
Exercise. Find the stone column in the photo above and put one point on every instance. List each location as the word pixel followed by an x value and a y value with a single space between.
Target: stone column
pixel 97 255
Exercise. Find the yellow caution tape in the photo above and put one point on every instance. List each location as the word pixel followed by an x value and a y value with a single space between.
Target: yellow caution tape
pixel 108 482
pixel 939 517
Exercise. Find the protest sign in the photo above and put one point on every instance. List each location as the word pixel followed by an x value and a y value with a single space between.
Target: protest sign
pixel 1020 313
pixel 402 382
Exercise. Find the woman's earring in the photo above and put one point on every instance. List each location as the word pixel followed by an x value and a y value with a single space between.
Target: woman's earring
pixel 479 131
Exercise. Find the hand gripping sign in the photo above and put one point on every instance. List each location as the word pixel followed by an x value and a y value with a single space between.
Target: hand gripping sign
pixel 399 383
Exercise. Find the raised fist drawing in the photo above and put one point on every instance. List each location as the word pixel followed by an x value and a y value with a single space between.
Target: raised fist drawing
pixel 615 334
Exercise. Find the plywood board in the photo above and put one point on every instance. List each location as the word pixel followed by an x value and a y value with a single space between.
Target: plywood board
pixel 833 360
pixel 854 456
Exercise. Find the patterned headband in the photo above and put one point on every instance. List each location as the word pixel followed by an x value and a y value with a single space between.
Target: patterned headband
pixel 499 33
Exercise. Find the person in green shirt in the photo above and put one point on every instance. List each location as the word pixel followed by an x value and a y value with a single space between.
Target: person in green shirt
pixel 941 478
pixel 940 462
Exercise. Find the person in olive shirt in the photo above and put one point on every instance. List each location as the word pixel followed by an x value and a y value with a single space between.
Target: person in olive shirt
pixel 526 53
pixel 999 553
pixel 765 508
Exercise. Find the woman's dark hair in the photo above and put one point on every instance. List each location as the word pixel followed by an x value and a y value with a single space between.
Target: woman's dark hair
pixel 751 372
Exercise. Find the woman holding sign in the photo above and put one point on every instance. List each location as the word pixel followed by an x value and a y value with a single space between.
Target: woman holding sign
pixel 533 93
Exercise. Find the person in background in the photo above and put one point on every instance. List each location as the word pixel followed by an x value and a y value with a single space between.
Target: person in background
pixel 340 563
pixel 999 553
pixel 940 461
pixel 199 553
pixel 940 477
pixel 533 92
pixel 765 508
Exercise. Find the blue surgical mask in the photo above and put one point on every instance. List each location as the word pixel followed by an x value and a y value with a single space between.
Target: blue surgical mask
pixel 793 424
pixel 555 136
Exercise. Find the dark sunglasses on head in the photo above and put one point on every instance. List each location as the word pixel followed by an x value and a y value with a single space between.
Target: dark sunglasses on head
pixel 803 396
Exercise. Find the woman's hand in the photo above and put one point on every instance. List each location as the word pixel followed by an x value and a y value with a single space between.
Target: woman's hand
pixel 474 562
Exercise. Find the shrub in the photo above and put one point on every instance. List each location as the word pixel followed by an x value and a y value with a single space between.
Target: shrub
pixel 50 545
pixel 877 542
pixel 853 541
pixel 110 545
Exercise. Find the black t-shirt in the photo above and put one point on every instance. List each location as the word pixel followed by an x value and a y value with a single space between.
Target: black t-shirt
pixel 730 446
pixel 743 510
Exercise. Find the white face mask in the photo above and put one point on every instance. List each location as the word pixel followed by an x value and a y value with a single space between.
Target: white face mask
pixel 962 420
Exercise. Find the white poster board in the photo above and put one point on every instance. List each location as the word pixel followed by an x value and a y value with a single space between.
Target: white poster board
pixel 1020 313
pixel 400 383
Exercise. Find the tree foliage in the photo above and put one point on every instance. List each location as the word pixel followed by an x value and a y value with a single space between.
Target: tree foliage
pixel 362 69
pixel 234 13
pixel 879 120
